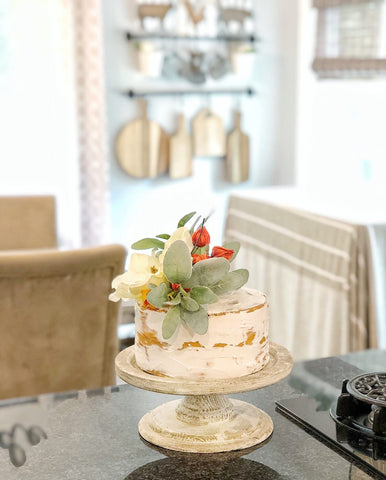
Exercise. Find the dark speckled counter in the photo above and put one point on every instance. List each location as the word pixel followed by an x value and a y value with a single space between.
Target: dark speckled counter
pixel 93 434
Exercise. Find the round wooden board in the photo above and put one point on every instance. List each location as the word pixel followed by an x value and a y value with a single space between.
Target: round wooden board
pixel 279 366
pixel 249 426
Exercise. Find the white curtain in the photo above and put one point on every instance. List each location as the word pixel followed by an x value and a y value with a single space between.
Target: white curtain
pixel 52 115
pixel 91 120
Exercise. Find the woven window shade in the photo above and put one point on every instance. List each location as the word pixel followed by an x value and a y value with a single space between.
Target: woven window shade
pixel 351 39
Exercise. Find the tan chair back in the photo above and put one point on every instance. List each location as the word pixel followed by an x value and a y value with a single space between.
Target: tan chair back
pixel 58 330
pixel 27 222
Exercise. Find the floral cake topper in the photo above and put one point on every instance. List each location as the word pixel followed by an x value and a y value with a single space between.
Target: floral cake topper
pixel 181 275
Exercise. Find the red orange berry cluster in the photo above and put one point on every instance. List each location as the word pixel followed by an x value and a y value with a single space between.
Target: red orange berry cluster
pixel 201 238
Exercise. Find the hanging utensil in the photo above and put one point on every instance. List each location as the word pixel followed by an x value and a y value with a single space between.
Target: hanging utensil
pixel 237 157
pixel 208 134
pixel 142 147
pixel 181 151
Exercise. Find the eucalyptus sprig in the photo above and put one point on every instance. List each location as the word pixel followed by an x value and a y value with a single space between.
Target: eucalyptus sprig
pixel 155 243
pixel 191 287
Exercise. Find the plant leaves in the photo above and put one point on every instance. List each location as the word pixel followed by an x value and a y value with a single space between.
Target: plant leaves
pixel 207 272
pixel 171 321
pixel 235 246
pixel 232 281
pixel 203 295
pixel 175 301
pixel 147 243
pixel 165 236
pixel 185 219
pixel 158 296
pixel 189 304
pixel 202 250
pixel 177 264
pixel 197 321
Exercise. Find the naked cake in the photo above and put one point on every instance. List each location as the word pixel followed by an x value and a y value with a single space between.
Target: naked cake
pixel 194 319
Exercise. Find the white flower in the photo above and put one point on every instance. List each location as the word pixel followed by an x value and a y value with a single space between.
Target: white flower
pixel 181 233
pixel 143 269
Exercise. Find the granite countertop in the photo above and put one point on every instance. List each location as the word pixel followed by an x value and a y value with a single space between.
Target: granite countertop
pixel 93 434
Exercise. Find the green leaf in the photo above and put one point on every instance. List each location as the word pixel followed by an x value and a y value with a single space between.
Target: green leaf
pixel 207 272
pixel 202 250
pixel 197 321
pixel 203 295
pixel 177 264
pixel 147 243
pixel 189 304
pixel 165 236
pixel 233 281
pixel 174 301
pixel 235 246
pixel 158 296
pixel 170 323
pixel 185 219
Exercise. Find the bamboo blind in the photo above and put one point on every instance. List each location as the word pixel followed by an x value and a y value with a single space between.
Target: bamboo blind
pixel 350 39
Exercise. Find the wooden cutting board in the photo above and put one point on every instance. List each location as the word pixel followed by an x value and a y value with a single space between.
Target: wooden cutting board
pixel 142 147
pixel 208 134
pixel 237 159
pixel 181 152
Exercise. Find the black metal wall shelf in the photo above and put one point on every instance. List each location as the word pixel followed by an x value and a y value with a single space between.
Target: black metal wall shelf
pixel 220 38
pixel 132 93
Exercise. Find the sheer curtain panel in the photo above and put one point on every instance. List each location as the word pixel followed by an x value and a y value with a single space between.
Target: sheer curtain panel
pixel 52 115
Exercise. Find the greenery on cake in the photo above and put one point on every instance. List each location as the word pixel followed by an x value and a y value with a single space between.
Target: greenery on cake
pixel 180 275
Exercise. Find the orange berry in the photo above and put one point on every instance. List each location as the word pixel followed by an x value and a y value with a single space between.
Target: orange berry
pixel 222 252
pixel 201 237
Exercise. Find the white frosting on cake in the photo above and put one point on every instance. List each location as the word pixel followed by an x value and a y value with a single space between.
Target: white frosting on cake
pixel 235 344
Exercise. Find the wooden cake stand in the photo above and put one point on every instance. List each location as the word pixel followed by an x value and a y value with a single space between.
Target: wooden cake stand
pixel 205 421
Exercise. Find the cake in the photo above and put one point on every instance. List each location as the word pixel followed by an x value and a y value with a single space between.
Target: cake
pixel 235 344
pixel 194 317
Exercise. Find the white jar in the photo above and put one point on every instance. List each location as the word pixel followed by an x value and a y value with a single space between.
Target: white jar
pixel 150 60
pixel 243 63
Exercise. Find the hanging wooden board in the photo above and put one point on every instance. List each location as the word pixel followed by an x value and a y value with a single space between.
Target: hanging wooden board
pixel 181 152
pixel 237 158
pixel 208 134
pixel 142 147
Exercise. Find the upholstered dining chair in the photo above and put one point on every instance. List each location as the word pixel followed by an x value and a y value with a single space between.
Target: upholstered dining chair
pixel 58 329
pixel 27 221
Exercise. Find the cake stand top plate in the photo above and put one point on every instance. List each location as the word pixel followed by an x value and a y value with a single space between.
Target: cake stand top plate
pixel 279 366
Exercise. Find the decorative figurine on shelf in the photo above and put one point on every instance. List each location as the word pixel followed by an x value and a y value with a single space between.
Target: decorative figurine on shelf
pixel 196 13
pixel 153 10
pixel 237 15
pixel 232 15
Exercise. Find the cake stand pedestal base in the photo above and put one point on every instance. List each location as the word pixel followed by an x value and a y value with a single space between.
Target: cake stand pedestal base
pixel 205 424
pixel 205 421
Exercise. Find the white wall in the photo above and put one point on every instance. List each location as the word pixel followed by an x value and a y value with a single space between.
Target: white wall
pixel 340 135
pixel 146 207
